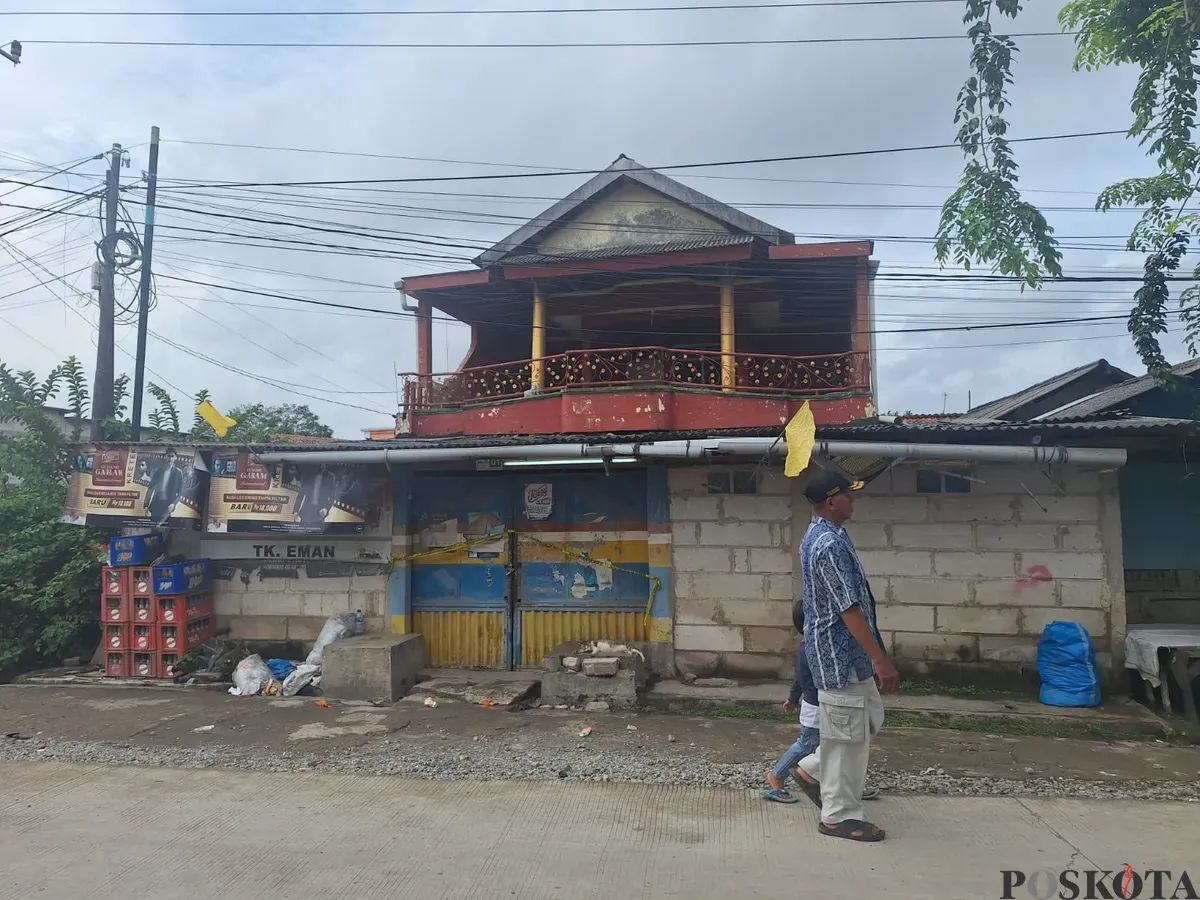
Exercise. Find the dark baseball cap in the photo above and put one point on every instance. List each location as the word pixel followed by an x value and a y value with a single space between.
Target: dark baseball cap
pixel 824 485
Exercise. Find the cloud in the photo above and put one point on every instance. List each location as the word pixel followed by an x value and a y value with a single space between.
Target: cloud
pixel 575 108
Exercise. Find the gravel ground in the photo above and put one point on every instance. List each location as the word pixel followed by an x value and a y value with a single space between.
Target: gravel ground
pixel 441 761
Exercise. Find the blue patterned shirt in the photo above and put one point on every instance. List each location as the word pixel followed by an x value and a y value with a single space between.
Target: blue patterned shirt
pixel 834 581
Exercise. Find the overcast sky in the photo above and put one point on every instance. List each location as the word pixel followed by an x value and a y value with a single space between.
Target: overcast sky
pixel 553 108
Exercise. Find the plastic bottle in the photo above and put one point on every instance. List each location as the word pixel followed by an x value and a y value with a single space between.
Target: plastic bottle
pixel 360 623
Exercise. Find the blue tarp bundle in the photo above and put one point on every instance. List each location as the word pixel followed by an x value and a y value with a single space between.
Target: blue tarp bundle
pixel 1066 662
pixel 280 668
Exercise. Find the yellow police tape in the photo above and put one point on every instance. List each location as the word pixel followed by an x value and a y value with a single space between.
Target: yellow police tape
pixel 566 549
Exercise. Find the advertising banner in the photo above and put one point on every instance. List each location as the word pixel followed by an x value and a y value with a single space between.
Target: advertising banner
pixel 286 498
pixel 137 487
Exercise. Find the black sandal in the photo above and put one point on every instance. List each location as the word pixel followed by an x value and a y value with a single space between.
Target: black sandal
pixel 811 789
pixel 853 830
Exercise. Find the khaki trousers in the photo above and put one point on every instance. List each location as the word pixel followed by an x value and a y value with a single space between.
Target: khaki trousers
pixel 850 717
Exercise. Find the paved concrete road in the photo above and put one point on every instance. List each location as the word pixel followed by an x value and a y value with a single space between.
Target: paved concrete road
pixel 135 834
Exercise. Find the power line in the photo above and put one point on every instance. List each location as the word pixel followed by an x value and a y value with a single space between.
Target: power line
pixel 262 379
pixel 391 13
pixel 284 386
pixel 10 250
pixel 55 171
pixel 557 45
pixel 577 266
pixel 366 287
pixel 501 165
pixel 923 330
pixel 653 230
pixel 806 157
pixel 242 309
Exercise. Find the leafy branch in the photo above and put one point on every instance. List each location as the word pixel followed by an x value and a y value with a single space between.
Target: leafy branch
pixel 985 220
pixel 164 419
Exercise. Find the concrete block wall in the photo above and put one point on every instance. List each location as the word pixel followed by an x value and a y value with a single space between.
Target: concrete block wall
pixel 258 605
pixel 733 582
pixel 294 609
pixel 972 579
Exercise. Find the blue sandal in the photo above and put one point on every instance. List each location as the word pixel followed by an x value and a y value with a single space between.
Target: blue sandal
pixel 779 796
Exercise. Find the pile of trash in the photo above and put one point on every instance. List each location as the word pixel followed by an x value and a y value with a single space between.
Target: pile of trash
pixel 283 678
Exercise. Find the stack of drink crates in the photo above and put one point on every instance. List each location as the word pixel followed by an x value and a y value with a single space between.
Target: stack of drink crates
pixel 152 616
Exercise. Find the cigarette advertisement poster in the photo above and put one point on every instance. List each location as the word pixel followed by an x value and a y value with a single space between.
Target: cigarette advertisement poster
pixel 137 487
pixel 286 498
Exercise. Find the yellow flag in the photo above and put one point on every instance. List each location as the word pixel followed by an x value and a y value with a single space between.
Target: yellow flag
pixel 220 423
pixel 800 434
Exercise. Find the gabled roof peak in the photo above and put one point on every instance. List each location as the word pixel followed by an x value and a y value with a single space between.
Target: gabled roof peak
pixel 626 167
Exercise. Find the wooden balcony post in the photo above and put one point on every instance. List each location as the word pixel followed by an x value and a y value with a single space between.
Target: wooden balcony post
pixel 728 343
pixel 537 372
pixel 424 347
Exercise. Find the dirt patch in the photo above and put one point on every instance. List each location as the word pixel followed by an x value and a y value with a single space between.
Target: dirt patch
pixel 150 720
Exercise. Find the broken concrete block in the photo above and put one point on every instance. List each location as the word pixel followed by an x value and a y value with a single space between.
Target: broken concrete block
pixel 571 663
pixel 619 691
pixel 604 666
pixel 596 706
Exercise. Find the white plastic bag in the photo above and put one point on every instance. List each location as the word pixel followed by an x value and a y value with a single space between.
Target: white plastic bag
pixel 300 677
pixel 334 629
pixel 250 676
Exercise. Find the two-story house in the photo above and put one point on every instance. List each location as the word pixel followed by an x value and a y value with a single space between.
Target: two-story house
pixel 605 463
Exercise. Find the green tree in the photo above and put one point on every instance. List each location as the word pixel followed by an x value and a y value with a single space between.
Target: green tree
pixel 49 571
pixel 986 221
pixel 260 424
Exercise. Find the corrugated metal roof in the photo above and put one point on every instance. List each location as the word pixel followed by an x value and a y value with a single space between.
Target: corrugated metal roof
pixel 1115 397
pixel 623 250
pixel 962 427
pixel 1007 405
pixel 951 431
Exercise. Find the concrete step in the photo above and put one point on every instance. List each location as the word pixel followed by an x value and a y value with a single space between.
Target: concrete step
pixel 1118 714
pixel 484 686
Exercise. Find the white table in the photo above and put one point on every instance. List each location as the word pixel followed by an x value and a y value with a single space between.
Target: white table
pixel 1182 643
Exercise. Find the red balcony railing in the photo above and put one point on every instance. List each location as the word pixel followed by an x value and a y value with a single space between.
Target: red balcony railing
pixel 754 373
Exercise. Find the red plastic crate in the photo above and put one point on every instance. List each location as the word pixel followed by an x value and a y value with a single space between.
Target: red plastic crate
pixel 200 606
pixel 114 609
pixel 183 637
pixel 167 661
pixel 141 582
pixel 115 582
pixel 143 664
pixel 143 636
pixel 178 608
pixel 116 663
pixel 116 637
pixel 142 611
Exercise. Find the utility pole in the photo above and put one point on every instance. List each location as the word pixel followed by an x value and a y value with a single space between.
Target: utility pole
pixel 139 368
pixel 13 53
pixel 102 390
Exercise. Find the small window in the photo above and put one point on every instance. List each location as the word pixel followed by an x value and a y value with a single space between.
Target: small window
pixel 745 482
pixel 932 481
pixel 720 482
pixel 724 481
pixel 955 484
pixel 929 481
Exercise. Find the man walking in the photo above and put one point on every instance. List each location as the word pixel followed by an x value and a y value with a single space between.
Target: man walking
pixel 845 656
